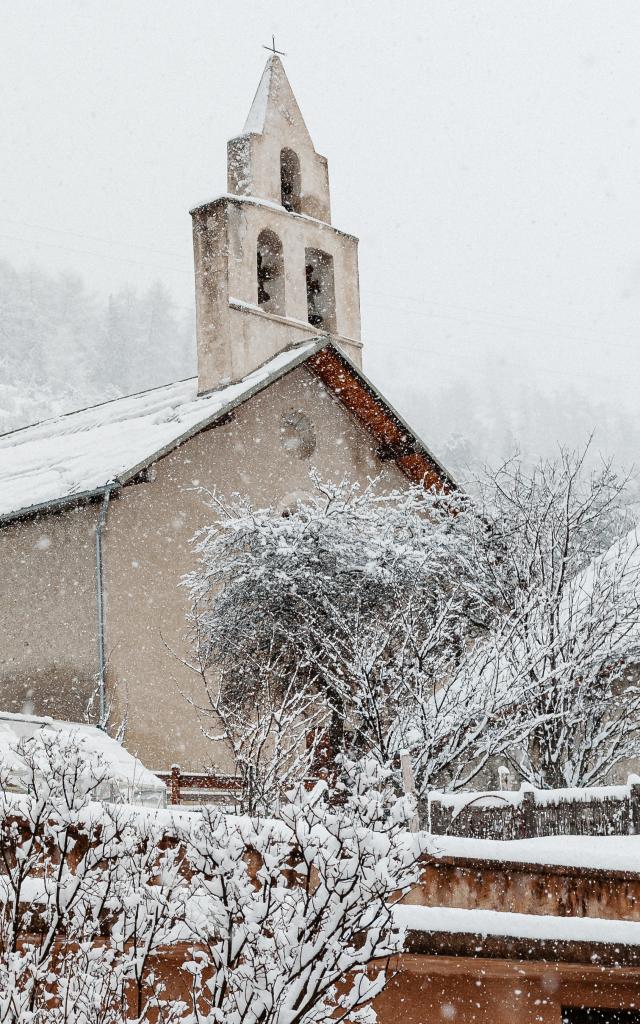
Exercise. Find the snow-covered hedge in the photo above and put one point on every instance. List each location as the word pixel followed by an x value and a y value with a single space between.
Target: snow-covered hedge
pixel 269 922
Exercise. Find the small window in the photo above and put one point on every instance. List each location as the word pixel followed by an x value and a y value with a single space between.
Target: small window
pixel 290 180
pixel 297 434
pixel 321 299
pixel 270 273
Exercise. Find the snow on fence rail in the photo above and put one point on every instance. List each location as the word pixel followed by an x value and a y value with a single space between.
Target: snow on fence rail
pixel 530 813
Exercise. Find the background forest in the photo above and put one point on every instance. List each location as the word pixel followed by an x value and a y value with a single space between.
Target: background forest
pixel 62 347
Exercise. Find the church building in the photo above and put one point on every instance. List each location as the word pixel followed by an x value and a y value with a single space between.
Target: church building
pixel 98 508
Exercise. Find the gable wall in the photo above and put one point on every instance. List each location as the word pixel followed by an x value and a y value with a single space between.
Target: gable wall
pixel 147 549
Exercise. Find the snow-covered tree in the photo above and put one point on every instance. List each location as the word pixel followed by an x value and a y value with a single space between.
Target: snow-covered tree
pixel 290 939
pixel 552 685
pixel 274 739
pixel 53 886
pixel 87 893
pixel 317 580
pixel 460 629
pixel 567 641
pixel 414 690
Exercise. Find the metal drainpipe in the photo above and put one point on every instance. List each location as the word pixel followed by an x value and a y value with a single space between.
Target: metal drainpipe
pixel 102 697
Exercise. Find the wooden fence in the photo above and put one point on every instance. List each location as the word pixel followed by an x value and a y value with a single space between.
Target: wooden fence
pixel 197 788
pixel 193 789
pixel 530 813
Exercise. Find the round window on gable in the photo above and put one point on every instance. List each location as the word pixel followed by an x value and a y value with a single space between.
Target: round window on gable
pixel 297 434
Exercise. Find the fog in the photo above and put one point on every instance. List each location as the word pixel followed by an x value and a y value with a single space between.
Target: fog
pixel 487 155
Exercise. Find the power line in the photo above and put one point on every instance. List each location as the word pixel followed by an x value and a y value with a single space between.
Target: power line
pixel 559 332
pixel 560 375
pixel 557 329
pixel 422 314
pixel 547 324
pixel 87 252
pixel 91 238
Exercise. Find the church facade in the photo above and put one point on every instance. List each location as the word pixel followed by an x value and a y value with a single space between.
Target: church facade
pixel 98 509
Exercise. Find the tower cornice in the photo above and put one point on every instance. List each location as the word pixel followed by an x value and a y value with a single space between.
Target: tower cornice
pixel 267 204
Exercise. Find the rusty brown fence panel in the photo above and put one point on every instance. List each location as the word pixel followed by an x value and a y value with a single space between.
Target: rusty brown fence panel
pixel 197 788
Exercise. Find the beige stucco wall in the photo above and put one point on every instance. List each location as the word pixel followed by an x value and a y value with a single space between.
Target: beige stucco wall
pixel 147 548
pixel 48 651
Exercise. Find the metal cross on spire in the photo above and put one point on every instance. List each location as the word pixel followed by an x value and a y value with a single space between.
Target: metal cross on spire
pixel 281 53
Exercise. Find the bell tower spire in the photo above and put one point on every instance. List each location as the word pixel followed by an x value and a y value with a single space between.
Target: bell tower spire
pixel 271 270
pixel 275 125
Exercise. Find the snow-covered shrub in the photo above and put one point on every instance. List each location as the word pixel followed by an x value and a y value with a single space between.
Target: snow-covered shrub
pixel 567 638
pixel 289 938
pixel 262 921
pixel 84 901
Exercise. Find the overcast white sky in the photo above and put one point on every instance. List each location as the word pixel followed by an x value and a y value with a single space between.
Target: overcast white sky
pixel 487 154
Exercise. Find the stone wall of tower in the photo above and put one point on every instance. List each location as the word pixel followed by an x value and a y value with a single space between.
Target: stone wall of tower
pixel 239 325
pixel 234 335
pixel 253 169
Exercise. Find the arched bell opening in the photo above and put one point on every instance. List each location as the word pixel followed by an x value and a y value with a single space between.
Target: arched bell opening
pixel 290 182
pixel 270 273
pixel 321 296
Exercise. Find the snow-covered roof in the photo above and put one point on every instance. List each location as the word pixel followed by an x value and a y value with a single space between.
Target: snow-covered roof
pixel 79 454
pixel 620 562
pixel 135 782
pixel 274 102
pixel 270 205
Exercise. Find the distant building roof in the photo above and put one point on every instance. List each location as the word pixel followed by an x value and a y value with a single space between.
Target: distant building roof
pixel 134 782
pixel 76 456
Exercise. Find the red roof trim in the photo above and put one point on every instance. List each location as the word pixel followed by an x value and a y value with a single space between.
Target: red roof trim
pixel 394 440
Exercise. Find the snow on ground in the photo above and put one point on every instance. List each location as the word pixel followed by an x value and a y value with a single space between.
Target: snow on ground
pixel 526 926
pixel 84 451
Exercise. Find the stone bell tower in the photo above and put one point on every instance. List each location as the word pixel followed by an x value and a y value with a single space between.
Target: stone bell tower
pixel 271 271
